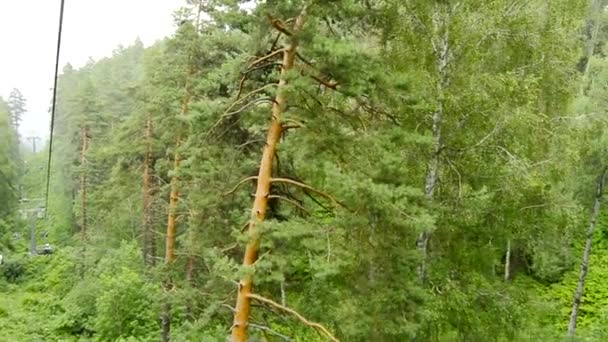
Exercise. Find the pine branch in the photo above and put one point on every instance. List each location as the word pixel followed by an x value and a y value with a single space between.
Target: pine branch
pixel 276 305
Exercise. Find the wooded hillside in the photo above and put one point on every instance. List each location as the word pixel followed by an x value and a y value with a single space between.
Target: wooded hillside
pixel 322 170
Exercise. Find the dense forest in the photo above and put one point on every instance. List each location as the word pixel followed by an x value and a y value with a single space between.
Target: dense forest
pixel 308 170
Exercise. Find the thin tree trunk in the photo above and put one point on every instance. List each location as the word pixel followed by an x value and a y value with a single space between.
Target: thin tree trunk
pixel 260 203
pixel 171 224
pixel 148 236
pixel 165 320
pixel 283 294
pixel 596 24
pixel 172 216
pixel 586 254
pixel 508 261
pixel 83 181
pixel 190 282
pixel 33 247
pixel 442 52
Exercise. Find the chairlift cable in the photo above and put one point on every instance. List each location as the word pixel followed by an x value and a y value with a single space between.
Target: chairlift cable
pixel 53 107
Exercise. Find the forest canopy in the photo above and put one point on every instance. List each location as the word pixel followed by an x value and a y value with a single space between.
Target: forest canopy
pixel 310 170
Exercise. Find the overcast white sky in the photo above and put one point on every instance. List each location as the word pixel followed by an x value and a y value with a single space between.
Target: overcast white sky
pixel 91 28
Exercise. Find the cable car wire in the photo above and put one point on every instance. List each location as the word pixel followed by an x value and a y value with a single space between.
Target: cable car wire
pixel 54 106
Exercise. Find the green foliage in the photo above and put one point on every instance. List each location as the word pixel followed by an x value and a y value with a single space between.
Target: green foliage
pixel 520 143
pixel 126 307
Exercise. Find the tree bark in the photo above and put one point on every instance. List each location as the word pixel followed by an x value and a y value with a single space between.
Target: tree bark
pixel 171 223
pixel 260 203
pixel 174 195
pixel 442 53
pixel 83 181
pixel 172 215
pixel 586 254
pixel 166 322
pixel 149 241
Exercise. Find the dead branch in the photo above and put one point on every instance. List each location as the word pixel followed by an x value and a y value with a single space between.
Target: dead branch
pixel 329 84
pixel 286 127
pixel 276 41
pixel 241 84
pixel 249 94
pixel 241 183
pixel 290 201
pixel 229 248
pixel 279 25
pixel 276 305
pixel 228 306
pixel 307 187
pixel 268 56
pixel 458 174
pixel 239 100
pixel 252 69
pixel 270 331
pixel 331 29
pixel 264 99
pixel 250 142
pixel 245 226
pixel 294 124
pixel 306 61
pixel 294 121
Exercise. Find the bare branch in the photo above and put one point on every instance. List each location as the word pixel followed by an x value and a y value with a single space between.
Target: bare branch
pixel 480 142
pixel 241 183
pixel 270 331
pixel 229 248
pixel 241 84
pixel 307 187
pixel 249 94
pixel 268 56
pixel 226 113
pixel 459 176
pixel 265 99
pixel 261 67
pixel 228 306
pixel 279 25
pixel 292 202
pixel 329 84
pixel 276 305
pixel 250 142
pixel 276 41
pixel 286 127
pixel 300 57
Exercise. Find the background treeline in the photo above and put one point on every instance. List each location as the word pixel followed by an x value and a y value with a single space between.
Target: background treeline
pixel 393 170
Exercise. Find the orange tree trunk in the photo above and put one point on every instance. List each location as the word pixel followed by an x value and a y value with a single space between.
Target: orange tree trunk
pixel 172 216
pixel 260 203
pixel 174 195
pixel 171 225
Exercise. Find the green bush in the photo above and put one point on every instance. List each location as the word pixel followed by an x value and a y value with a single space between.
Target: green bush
pixel 13 270
pixel 126 307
